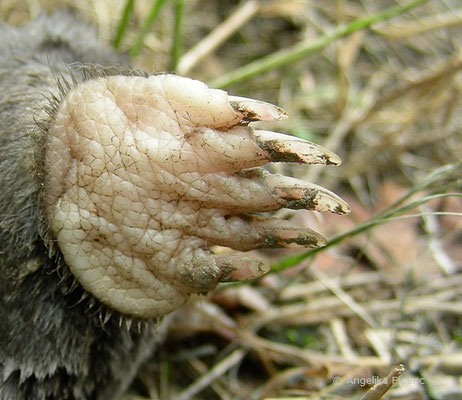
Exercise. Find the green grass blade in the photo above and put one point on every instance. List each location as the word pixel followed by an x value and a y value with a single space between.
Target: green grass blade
pixel 304 49
pixel 176 50
pixel 146 26
pixel 122 28
pixel 395 209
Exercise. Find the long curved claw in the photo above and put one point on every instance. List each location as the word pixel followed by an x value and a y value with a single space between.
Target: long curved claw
pixel 300 195
pixel 211 107
pixel 275 232
pixel 285 148
pixel 251 231
pixel 256 110
pixel 255 190
pixel 242 147
pixel 238 267
pixel 292 193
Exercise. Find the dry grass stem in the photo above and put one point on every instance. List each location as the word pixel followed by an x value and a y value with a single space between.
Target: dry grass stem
pixel 217 370
pixel 220 34
pixel 412 28
pixel 377 392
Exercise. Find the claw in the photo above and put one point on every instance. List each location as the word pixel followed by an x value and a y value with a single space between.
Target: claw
pixel 255 110
pixel 291 193
pixel 304 195
pixel 237 267
pixel 276 233
pixel 285 148
pixel 252 231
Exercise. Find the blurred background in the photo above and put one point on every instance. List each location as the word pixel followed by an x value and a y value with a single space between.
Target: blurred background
pixel 378 82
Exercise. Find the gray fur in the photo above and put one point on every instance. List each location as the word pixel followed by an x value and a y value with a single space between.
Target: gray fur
pixel 53 344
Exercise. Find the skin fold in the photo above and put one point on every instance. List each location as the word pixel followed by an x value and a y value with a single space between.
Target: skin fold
pixel 116 186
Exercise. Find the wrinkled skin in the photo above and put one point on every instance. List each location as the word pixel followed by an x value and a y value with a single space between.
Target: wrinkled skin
pixel 144 174
pixel 112 196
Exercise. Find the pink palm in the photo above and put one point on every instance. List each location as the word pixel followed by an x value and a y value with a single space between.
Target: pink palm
pixel 144 174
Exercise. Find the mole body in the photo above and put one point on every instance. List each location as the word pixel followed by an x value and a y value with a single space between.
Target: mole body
pixel 115 185
pixel 52 344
